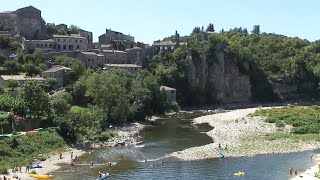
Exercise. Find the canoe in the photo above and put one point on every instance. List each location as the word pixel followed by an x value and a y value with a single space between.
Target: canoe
pixel 239 173
pixel 37 176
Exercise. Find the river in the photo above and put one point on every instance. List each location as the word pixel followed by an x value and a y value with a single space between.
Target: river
pixel 174 134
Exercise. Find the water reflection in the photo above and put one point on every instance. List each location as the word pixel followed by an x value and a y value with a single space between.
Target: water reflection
pixel 173 134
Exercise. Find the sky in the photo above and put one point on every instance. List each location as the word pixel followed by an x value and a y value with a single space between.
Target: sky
pixel 150 20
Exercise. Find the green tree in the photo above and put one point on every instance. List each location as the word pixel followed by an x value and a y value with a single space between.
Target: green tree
pixel 62 32
pixel 51 30
pixel 38 57
pixel 6 102
pixel 36 100
pixel 31 70
pixel 210 28
pixel 109 92
pixel 245 31
pixel 2 59
pixel 50 83
pixel 3 120
pixel 59 105
pixel 256 29
pixel 77 69
pixel 12 83
pixel 12 66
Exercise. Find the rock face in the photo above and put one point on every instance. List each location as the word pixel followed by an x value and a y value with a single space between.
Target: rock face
pixel 26 21
pixel 220 77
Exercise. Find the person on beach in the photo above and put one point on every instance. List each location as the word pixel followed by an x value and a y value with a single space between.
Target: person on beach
pixel 71 155
pixel 60 155
pixel 290 171
pixel 91 163
pixel 219 146
pixel 27 168
pixel 295 171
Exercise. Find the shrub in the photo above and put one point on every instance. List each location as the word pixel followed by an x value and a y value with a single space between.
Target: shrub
pixel 105 136
pixel 33 172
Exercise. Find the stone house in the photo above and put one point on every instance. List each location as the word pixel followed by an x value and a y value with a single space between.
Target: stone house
pixel 92 59
pixel 20 78
pixel 43 45
pixel 60 73
pixel 169 92
pixel 135 55
pixel 132 68
pixel 115 57
pixel 165 46
pixel 70 42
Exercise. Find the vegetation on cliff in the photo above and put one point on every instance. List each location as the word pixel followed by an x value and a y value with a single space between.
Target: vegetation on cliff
pixel 273 60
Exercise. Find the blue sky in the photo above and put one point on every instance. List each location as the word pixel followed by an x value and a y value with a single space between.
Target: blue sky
pixel 149 20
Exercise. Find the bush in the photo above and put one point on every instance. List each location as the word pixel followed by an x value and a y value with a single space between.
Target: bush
pixel 105 136
pixel 173 106
pixel 33 172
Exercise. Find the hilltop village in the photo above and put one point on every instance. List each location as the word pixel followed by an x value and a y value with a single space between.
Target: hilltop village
pixel 59 89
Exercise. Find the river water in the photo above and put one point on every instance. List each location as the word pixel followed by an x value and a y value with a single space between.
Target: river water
pixel 174 134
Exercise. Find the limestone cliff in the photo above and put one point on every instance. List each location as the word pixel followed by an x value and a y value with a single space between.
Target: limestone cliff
pixel 219 75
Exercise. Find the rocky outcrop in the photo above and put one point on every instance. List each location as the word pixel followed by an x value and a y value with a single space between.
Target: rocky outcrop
pixel 219 75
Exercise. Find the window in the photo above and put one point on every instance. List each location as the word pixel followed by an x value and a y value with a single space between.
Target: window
pixel 117 55
pixel 76 41
pixel 88 59
pixel 70 47
pixel 172 92
pixel 92 59
pixel 58 40
pixel 59 47
pixel 69 40
pixel 45 45
pixel 64 40
pixel 64 47
pixel 50 45
pixel 80 41
pixel 78 47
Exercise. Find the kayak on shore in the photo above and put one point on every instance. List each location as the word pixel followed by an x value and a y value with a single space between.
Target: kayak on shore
pixel 37 176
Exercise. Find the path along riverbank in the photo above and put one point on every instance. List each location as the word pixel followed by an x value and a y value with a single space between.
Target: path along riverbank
pixel 125 136
pixel 243 135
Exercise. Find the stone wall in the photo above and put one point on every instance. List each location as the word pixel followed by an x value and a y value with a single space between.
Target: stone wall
pixel 26 21
pixel 221 78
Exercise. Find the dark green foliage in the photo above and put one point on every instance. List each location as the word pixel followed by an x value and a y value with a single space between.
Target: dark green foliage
pixel 36 100
pixel 210 28
pixel 50 83
pixel 12 66
pixel 12 83
pixel 20 150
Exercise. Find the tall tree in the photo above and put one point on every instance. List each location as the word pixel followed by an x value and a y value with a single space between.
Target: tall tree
pixel 2 59
pixel 210 28
pixel 36 100
pixel 256 29
pixel 245 31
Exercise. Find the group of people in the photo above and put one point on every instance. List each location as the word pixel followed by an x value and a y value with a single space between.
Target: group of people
pixel 291 171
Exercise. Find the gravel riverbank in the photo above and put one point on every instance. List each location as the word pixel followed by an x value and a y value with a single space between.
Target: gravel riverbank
pixel 242 135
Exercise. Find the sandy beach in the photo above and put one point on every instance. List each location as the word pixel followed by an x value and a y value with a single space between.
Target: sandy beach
pixel 49 165
pixel 242 135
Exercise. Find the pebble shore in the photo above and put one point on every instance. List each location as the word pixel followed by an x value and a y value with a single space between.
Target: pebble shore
pixel 242 135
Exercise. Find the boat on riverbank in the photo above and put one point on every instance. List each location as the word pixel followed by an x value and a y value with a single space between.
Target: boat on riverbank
pixel 37 176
